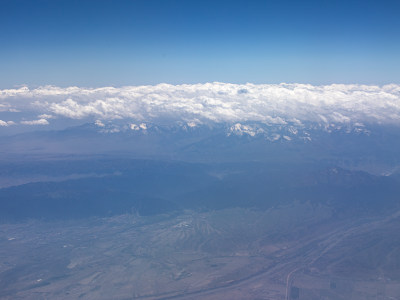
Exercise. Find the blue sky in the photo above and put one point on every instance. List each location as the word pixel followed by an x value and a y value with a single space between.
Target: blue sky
pixel 102 43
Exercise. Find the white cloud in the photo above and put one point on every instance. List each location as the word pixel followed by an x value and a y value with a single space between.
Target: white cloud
pixel 7 107
pixel 6 123
pixel 36 122
pixel 99 123
pixel 134 127
pixel 218 102
pixel 192 124
pixel 45 116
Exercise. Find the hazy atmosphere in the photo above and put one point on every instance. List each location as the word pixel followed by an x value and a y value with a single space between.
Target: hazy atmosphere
pixel 199 150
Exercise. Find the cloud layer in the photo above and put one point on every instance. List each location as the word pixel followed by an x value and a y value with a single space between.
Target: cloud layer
pixel 215 102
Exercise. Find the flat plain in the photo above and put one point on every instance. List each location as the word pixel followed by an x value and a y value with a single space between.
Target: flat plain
pixel 290 252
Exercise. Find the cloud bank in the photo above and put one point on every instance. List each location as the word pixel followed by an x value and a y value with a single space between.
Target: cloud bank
pixel 210 102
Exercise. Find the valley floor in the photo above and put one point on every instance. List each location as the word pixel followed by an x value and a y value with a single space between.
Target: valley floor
pixel 294 252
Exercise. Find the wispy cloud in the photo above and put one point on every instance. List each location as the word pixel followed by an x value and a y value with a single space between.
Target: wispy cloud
pixel 36 122
pixel 218 102
pixel 45 116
